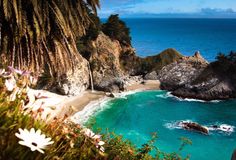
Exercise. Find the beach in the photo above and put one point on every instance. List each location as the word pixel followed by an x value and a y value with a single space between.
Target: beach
pixel 58 106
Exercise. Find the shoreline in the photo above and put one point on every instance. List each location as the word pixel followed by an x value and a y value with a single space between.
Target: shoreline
pixel 66 107
pixel 89 102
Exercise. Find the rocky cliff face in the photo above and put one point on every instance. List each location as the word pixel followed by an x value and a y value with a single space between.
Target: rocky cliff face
pixel 76 81
pixel 105 64
pixel 193 77
pixel 112 64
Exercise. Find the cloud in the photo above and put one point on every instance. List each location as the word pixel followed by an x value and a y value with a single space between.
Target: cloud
pixel 127 8
pixel 217 11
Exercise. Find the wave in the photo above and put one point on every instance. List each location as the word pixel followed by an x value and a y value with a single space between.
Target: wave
pixel 97 106
pixel 82 116
pixel 124 95
pixel 169 95
pixel 216 127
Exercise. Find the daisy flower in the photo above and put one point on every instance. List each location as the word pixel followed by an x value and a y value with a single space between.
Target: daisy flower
pixel 2 71
pixel 87 132
pixel 33 139
pixel 10 84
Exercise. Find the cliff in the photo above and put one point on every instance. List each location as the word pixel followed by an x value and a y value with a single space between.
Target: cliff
pixel 194 77
pixel 105 64
pixel 114 64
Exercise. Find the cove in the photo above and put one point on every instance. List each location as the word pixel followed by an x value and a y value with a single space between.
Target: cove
pixel 137 115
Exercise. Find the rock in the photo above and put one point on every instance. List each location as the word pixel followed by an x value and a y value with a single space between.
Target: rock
pixel 111 95
pixel 194 127
pixel 105 65
pixel 151 76
pixel 193 77
pixel 233 155
pixel 75 82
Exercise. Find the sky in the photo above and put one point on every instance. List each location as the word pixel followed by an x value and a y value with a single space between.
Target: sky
pixel 169 8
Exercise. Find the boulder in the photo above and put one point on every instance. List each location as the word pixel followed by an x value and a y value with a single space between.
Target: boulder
pixel 151 76
pixel 76 81
pixel 194 127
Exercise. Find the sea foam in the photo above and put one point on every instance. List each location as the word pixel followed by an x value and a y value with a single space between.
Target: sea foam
pixel 169 95
pixel 97 106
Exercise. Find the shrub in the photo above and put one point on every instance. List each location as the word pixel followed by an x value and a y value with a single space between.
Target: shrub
pixel 117 29
pixel 21 128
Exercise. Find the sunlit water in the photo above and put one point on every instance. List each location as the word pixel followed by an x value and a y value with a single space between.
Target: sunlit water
pixel 138 115
pixel 209 36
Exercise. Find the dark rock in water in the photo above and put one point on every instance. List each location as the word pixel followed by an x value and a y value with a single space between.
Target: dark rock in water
pixel 233 155
pixel 151 76
pixel 193 77
pixel 111 95
pixel 194 126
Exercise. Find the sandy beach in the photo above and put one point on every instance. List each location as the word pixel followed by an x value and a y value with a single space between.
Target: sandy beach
pixel 59 106
pixel 79 102
pixel 84 105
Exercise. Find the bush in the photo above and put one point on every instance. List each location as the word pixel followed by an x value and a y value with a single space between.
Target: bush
pixel 225 64
pixel 117 29
pixel 64 140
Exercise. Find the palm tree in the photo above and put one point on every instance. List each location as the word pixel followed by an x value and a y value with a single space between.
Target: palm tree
pixel 40 35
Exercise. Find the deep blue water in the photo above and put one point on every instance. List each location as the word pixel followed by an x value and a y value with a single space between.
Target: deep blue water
pixel 209 36
pixel 138 115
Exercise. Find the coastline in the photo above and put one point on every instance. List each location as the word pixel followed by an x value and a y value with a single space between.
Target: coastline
pixel 58 106
pixel 86 104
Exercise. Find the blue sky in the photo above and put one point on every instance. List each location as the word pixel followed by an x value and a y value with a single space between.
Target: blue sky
pixel 195 8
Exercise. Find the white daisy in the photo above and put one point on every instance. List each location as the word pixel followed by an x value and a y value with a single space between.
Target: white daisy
pixel 10 83
pixel 100 143
pixel 87 132
pixel 33 139
pixel 2 71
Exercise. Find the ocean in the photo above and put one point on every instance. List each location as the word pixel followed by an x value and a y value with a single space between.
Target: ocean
pixel 137 115
pixel 209 36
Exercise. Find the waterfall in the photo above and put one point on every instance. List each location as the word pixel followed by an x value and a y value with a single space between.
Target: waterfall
pixel 91 77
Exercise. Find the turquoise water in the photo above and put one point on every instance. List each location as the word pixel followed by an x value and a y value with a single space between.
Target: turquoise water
pixel 210 36
pixel 138 115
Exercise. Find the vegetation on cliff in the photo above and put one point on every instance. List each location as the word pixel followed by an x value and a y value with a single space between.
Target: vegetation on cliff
pixel 141 66
pixel 117 29
pixel 226 63
pixel 40 35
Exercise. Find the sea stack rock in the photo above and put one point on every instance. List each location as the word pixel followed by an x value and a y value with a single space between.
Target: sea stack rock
pixel 193 77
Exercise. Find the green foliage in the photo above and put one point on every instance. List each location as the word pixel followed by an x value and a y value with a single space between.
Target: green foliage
pixel 94 28
pixel 92 31
pixel 225 64
pixel 131 62
pixel 70 142
pixel 117 29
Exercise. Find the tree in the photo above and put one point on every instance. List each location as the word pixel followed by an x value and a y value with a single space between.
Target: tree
pixel 40 34
pixel 117 29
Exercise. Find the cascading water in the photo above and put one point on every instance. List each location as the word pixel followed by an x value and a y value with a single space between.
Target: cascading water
pixel 91 77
